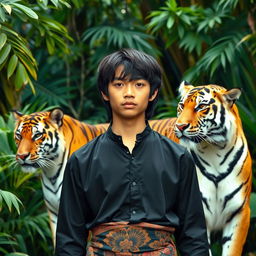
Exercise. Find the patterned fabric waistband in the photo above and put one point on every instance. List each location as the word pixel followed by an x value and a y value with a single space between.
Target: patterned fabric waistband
pixel 122 238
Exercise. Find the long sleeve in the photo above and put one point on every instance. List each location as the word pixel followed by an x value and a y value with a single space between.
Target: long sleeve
pixel 71 234
pixel 191 236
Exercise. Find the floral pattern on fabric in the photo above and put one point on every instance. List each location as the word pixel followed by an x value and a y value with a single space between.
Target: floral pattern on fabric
pixel 128 240
pixel 163 240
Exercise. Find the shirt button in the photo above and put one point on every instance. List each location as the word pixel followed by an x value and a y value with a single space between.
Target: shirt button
pixel 134 183
pixel 133 212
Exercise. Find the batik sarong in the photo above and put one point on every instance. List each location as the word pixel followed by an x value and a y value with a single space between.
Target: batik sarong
pixel 121 238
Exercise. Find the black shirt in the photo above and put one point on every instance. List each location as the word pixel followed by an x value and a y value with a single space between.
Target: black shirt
pixel 156 183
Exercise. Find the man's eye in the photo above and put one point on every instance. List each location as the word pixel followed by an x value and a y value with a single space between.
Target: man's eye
pixel 118 84
pixel 139 84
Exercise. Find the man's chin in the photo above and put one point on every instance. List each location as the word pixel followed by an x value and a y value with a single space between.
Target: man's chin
pixel 130 114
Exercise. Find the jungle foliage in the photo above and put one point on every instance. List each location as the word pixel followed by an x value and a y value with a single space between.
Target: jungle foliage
pixel 49 52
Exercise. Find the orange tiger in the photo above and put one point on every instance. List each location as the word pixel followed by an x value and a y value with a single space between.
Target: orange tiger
pixel 47 139
pixel 209 125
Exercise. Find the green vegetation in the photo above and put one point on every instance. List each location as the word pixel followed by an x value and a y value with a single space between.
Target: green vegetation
pixel 49 52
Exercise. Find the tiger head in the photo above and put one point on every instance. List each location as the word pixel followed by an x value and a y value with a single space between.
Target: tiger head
pixel 38 139
pixel 206 114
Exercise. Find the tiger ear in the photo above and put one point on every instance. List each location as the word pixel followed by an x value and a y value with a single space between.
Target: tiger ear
pixel 17 115
pixel 232 95
pixel 184 88
pixel 56 115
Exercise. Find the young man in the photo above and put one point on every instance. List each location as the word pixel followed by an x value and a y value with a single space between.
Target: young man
pixel 132 188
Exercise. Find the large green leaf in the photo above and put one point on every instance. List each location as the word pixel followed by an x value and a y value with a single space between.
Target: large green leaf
pixel 30 66
pixel 28 11
pixel 5 52
pixel 3 39
pixel 3 17
pixel 21 77
pixel 7 8
pixel 12 65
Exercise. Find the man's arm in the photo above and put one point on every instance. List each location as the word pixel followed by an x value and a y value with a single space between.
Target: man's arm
pixel 71 235
pixel 191 236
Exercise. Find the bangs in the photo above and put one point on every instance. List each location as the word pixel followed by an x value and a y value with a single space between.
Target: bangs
pixel 129 72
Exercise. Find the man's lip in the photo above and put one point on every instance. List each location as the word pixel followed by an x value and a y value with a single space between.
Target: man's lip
pixel 129 104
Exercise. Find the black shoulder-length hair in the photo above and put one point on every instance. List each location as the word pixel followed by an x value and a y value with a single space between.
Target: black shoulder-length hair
pixel 137 65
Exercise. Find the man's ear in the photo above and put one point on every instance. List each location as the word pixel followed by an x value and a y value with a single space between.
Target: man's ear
pixel 104 96
pixel 153 96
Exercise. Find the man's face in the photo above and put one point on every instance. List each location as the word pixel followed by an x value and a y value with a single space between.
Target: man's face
pixel 128 99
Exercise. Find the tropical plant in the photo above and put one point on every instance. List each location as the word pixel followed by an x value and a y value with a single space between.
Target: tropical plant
pixel 21 21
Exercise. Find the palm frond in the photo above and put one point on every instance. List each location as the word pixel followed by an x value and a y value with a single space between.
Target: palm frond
pixel 10 199
pixel 119 36
pixel 222 53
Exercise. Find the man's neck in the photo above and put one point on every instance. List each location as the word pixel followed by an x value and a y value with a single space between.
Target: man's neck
pixel 128 129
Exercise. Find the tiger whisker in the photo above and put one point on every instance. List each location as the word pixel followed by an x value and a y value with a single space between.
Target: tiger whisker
pixel 49 161
pixel 208 139
pixel 43 162
pixel 203 138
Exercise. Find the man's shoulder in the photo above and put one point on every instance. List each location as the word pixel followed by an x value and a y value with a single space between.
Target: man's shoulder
pixel 168 143
pixel 89 147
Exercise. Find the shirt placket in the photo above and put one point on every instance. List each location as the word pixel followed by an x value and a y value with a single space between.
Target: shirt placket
pixel 134 188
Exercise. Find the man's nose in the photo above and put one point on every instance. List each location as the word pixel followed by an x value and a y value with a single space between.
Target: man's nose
pixel 129 91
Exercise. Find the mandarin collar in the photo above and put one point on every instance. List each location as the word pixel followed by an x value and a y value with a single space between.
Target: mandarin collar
pixel 139 136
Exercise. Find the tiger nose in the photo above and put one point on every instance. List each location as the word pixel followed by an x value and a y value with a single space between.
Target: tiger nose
pixel 182 127
pixel 22 156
